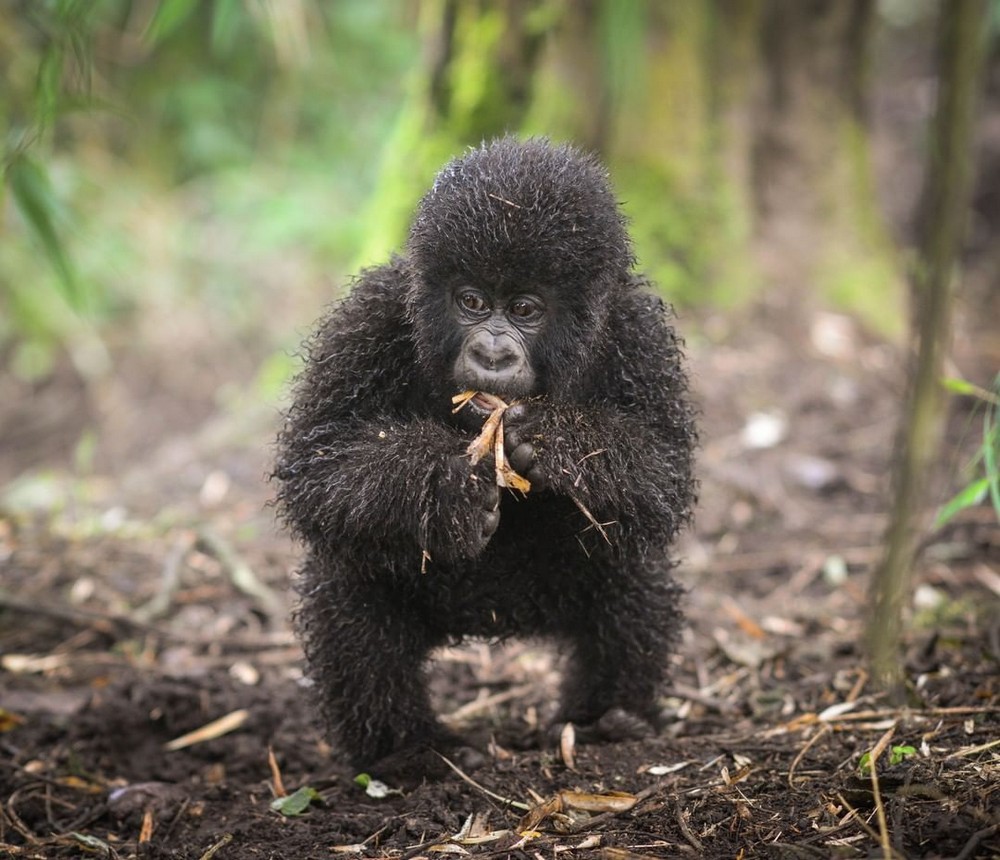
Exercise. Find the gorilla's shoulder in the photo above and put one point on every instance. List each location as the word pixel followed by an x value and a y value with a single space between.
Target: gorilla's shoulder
pixel 376 298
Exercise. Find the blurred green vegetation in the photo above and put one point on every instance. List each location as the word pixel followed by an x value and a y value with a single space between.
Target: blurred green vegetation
pixel 169 163
pixel 157 153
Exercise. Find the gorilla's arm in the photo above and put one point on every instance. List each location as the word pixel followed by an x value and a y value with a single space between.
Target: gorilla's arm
pixel 354 463
pixel 625 451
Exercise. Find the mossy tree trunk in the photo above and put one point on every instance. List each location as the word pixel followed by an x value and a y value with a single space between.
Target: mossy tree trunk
pixel 943 216
pixel 817 220
pixel 475 82
pixel 734 130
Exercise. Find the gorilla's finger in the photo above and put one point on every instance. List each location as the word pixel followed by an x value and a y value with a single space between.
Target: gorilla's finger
pixel 522 458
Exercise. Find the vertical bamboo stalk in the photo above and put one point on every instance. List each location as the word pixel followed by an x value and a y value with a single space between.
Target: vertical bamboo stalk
pixel 943 213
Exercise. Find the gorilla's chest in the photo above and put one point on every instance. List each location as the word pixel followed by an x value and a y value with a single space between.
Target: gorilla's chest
pixel 532 574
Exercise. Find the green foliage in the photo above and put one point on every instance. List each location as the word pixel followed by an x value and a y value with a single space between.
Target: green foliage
pixel 169 16
pixel 296 803
pixel 30 187
pixel 202 158
pixel 686 238
pixel 621 29
pixel 860 270
pixel 897 754
pixel 986 463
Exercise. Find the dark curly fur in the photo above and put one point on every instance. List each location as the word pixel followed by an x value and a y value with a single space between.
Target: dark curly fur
pixel 373 473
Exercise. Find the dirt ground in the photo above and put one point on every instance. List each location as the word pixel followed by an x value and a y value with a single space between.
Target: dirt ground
pixel 150 599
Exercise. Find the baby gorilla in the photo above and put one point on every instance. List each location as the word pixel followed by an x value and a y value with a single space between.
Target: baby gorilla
pixel 516 282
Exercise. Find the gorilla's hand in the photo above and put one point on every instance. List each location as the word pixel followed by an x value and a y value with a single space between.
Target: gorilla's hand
pixel 463 512
pixel 522 443
pixel 485 510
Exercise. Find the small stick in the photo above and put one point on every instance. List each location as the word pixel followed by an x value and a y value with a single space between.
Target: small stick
pixel 883 826
pixel 222 726
pixel 214 849
pixel 593 520
pixel 515 803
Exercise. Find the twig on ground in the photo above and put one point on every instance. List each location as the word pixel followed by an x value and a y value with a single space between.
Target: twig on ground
pixel 170 580
pixel 240 573
pixel 857 817
pixel 505 800
pixel 478 705
pixel 214 849
pixel 693 840
pixel 100 621
pixel 883 826
pixel 222 726
pixel 824 730
pixel 970 847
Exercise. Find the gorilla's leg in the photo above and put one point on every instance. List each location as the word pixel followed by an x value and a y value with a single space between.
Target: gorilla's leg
pixel 366 657
pixel 621 645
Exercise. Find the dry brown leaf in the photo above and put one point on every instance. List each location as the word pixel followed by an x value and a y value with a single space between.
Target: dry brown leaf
pixel 612 801
pixel 537 814
pixel 581 801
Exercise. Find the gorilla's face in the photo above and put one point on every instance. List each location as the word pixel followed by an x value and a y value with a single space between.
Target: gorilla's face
pixel 499 329
pixel 515 253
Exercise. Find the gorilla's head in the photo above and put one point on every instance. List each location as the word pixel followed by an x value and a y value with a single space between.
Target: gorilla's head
pixel 514 253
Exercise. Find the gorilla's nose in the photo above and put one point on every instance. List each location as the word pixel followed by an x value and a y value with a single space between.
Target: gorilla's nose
pixel 495 353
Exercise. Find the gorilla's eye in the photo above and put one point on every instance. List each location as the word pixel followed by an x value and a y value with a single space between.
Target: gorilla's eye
pixel 525 309
pixel 473 301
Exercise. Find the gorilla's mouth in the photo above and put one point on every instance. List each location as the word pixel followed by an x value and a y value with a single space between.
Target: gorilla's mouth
pixel 482 403
pixel 477 405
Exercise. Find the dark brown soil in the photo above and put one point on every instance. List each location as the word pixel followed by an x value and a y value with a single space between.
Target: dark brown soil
pixel 147 603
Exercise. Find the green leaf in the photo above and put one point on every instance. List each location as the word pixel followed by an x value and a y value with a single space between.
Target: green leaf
pixel 991 442
pixel 960 386
pixel 971 495
pixel 47 84
pixel 865 764
pixel 226 22
pixel 296 803
pixel 901 752
pixel 170 15
pixel 29 185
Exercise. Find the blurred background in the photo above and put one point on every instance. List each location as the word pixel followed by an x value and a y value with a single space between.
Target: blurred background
pixel 187 185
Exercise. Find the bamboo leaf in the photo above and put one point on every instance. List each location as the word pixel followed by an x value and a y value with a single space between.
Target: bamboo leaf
pixel 47 84
pixel 170 15
pixel 32 193
pixel 991 442
pixel 971 495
